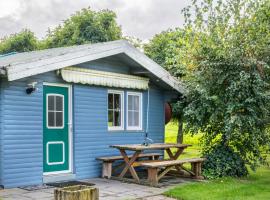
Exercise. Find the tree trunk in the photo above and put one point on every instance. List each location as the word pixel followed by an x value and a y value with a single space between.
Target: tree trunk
pixel 180 131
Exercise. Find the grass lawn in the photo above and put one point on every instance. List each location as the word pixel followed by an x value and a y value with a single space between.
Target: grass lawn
pixel 255 186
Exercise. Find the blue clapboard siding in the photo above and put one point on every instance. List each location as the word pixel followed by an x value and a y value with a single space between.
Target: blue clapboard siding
pixel 1 155
pixel 22 131
pixel 106 65
pixel 21 135
pixel 91 135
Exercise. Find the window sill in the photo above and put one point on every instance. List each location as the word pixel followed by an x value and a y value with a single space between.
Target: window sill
pixel 115 129
pixel 126 131
pixel 134 129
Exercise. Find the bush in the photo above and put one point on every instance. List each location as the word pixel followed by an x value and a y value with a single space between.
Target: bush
pixel 223 161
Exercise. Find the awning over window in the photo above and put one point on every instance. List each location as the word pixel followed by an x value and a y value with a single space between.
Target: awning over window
pixel 101 78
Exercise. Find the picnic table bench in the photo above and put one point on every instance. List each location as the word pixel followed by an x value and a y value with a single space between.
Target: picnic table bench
pixel 107 162
pixel 131 162
pixel 156 170
pixel 156 167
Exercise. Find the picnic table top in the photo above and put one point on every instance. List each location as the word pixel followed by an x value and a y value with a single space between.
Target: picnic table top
pixel 155 146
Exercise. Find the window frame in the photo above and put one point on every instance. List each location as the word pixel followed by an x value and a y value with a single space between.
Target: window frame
pixel 121 93
pixel 47 111
pixel 135 128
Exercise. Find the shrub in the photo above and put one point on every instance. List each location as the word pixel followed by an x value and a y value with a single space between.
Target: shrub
pixel 222 161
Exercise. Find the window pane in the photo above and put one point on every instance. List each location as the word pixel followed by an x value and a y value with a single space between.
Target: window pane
pixel 110 118
pixel 130 102
pixel 133 118
pixel 50 119
pixel 114 110
pixel 59 103
pixel 136 103
pixel 117 118
pixel 133 102
pixel 117 101
pixel 110 101
pixel 50 102
pixel 136 119
pixel 59 119
pixel 130 118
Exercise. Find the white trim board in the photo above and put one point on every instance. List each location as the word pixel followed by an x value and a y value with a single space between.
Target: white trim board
pixel 23 65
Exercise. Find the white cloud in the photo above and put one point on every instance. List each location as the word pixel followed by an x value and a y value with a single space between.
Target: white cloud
pixel 139 18
pixel 9 8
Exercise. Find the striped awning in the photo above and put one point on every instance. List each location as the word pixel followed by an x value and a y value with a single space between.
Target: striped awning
pixel 102 78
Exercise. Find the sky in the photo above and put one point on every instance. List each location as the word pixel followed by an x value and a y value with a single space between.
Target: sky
pixel 139 18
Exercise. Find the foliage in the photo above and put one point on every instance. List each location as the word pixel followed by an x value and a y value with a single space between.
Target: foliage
pixel 164 49
pixel 136 42
pixel 86 26
pixel 229 97
pixel 19 42
pixel 223 161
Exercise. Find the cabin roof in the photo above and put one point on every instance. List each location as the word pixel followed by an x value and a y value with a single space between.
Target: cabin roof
pixel 21 65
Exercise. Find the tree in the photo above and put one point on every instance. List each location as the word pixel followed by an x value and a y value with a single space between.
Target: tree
pixel 229 99
pixel 19 42
pixel 166 49
pixel 86 26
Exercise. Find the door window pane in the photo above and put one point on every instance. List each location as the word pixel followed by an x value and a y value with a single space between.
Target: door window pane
pixel 55 109
pixel 50 103
pixel 51 119
pixel 115 112
pixel 59 103
pixel 59 119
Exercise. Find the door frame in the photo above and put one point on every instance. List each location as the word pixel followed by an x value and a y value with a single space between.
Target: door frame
pixel 70 128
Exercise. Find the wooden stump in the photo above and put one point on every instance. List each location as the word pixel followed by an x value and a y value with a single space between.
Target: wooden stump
pixel 78 192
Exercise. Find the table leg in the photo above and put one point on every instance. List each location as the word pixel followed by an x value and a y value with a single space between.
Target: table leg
pixel 129 163
pixel 175 157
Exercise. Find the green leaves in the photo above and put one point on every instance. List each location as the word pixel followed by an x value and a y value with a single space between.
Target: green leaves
pixel 19 42
pixel 223 161
pixel 223 56
pixel 86 26
pixel 231 99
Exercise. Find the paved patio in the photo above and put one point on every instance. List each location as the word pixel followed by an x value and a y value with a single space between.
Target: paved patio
pixel 109 190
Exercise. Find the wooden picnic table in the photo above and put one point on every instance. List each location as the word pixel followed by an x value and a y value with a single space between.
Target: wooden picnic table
pixel 139 148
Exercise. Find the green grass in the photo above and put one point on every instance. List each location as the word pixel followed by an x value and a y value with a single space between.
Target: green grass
pixel 255 187
pixel 193 151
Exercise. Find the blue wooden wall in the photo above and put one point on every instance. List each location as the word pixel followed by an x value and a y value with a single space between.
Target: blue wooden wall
pixel 21 133
pixel 1 131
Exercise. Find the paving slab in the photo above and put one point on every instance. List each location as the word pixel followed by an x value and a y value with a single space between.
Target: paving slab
pixel 109 190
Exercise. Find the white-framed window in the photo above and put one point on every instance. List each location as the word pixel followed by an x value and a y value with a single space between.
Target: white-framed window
pixel 55 111
pixel 115 110
pixel 134 111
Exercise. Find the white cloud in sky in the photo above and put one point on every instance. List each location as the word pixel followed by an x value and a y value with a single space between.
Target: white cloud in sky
pixel 10 8
pixel 139 18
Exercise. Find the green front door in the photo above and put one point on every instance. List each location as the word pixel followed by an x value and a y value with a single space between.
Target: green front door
pixel 55 129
